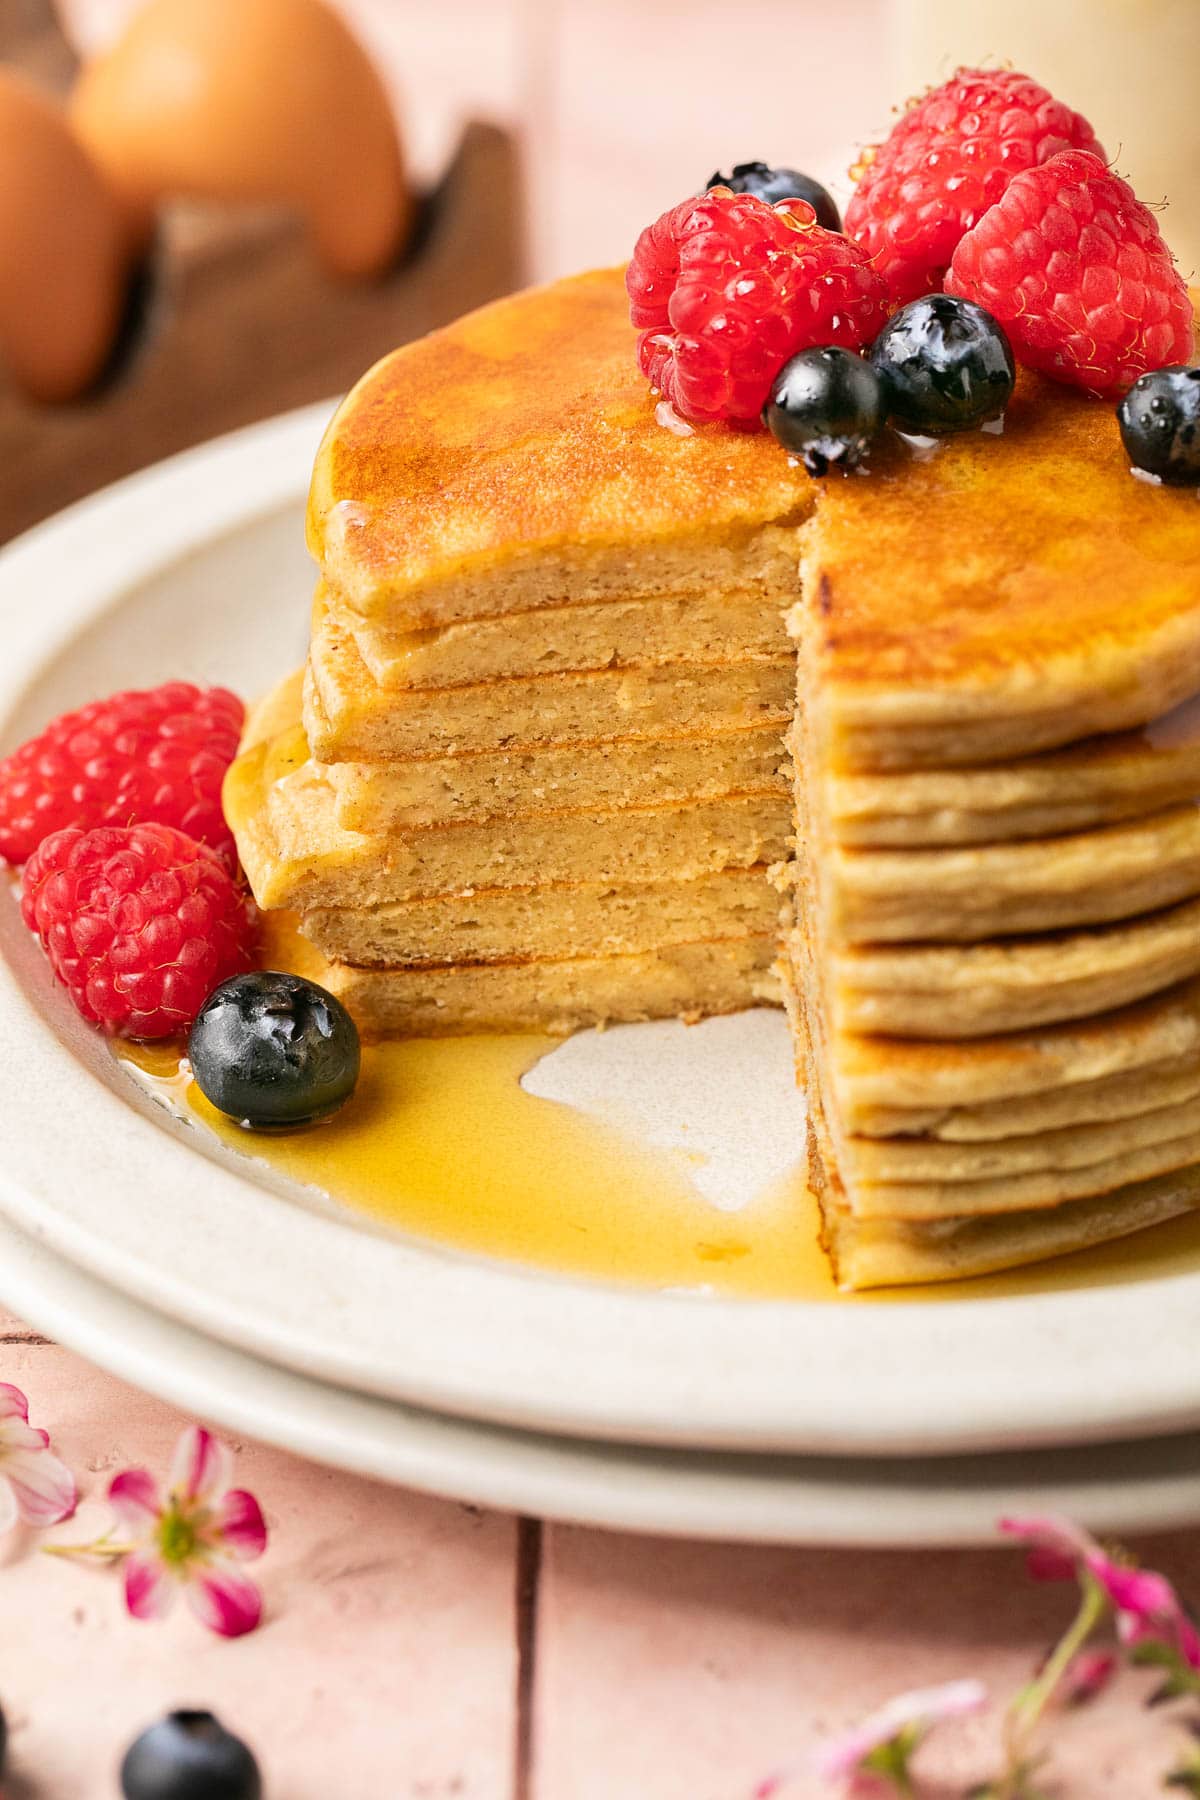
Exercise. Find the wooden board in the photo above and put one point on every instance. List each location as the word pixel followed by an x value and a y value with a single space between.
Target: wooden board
pixel 238 322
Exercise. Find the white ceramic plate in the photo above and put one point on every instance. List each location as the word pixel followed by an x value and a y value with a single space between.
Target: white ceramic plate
pixel 1118 1488
pixel 197 568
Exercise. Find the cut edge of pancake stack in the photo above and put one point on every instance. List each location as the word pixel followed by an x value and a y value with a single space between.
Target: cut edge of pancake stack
pixel 533 774
pixel 587 844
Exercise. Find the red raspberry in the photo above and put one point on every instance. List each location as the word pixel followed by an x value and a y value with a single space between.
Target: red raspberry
pixel 725 288
pixel 158 755
pixel 949 158
pixel 139 921
pixel 1075 268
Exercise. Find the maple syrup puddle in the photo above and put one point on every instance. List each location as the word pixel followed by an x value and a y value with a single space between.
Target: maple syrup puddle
pixel 440 1141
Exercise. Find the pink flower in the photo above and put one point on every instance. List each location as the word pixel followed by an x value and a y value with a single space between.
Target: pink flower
pixel 192 1539
pixel 908 1716
pixel 1145 1603
pixel 34 1485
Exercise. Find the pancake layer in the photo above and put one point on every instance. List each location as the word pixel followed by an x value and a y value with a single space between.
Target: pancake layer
pixel 404 795
pixel 567 919
pixel 707 627
pixel 349 717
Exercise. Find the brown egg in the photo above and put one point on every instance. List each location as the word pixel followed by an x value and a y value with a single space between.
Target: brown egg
pixel 64 254
pixel 262 100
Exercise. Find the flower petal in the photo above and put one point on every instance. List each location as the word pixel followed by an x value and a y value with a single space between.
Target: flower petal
pixel 241 1526
pixel 1053 1533
pixel 42 1486
pixel 917 1711
pixel 200 1468
pixel 8 1507
pixel 1140 1594
pixel 224 1599
pixel 149 1589
pixel 1042 1564
pixel 13 1404
pixel 134 1497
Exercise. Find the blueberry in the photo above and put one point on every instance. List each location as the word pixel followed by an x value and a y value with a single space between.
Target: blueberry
pixel 781 184
pixel 825 406
pixel 274 1050
pixel 189 1756
pixel 946 365
pixel 1160 424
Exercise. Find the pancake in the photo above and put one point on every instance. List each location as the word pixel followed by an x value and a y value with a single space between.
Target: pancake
pixel 514 460
pixel 1055 598
pixel 1036 1191
pixel 921 1166
pixel 973 892
pixel 1166 1083
pixel 296 855
pixel 867 1074
pixel 1098 782
pixel 872 1253
pixel 686 980
pixel 708 627
pixel 400 796
pixel 580 919
pixel 350 718
pixel 976 990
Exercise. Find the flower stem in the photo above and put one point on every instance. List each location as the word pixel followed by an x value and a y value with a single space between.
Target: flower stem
pixel 102 1549
pixel 1026 1711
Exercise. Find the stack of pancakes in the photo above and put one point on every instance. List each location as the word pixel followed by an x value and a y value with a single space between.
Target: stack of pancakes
pixel 997 888
pixel 534 773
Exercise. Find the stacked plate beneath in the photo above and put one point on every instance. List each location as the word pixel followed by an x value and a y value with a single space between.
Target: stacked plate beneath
pixel 543 818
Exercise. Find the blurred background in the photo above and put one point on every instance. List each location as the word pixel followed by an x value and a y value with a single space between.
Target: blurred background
pixel 253 263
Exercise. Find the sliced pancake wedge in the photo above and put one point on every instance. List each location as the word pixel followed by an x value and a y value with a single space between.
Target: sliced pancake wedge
pixel 868 1075
pixel 1098 782
pixel 1126 1095
pixel 924 1167
pixel 978 990
pixel 969 893
pixel 873 1253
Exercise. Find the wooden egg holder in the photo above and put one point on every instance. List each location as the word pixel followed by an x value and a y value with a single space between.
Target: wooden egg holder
pixel 235 321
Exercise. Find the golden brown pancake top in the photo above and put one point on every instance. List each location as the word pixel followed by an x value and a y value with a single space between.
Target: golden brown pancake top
pixel 525 426
pixel 1021 576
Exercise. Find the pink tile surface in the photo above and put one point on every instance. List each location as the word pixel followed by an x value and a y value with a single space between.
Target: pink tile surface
pixel 691 1671
pixel 386 1664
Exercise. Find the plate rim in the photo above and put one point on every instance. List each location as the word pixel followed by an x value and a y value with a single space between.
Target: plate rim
pixel 501 1342
pixel 788 1500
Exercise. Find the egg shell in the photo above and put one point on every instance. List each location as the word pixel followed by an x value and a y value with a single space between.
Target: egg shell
pixel 252 100
pixel 64 251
